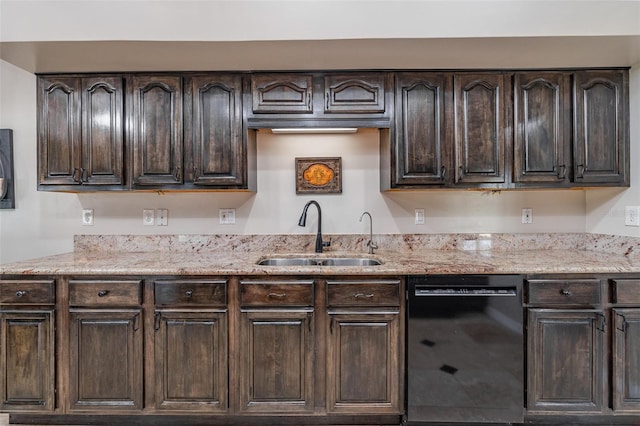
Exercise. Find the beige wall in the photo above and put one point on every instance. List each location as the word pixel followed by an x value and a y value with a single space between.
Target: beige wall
pixel 44 223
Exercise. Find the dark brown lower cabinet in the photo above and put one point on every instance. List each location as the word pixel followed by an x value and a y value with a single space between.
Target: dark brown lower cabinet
pixel 566 364
pixel 363 371
pixel 276 371
pixel 106 359
pixel 626 359
pixel 27 360
pixel 191 360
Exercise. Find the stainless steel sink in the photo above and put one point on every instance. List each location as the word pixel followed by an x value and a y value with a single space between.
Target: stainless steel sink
pixel 319 261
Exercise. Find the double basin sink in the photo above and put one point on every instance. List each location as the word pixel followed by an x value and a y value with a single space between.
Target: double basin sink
pixel 319 261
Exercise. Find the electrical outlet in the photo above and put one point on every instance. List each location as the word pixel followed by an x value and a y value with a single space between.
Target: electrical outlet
pixel 162 217
pixel 148 217
pixel 527 215
pixel 632 216
pixel 419 218
pixel 227 216
pixel 87 217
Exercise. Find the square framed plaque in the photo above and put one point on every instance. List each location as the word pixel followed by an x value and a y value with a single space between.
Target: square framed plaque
pixel 319 175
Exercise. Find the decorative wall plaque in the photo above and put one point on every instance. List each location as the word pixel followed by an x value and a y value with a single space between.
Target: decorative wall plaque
pixel 319 175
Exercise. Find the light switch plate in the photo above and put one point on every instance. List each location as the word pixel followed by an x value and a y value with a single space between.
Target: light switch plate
pixel 419 218
pixel 148 217
pixel 527 215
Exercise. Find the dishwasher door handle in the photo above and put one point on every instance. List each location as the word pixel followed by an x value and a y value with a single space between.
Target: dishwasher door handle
pixel 423 291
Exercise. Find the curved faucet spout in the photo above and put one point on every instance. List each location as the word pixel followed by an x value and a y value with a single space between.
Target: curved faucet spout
pixel 303 221
pixel 372 246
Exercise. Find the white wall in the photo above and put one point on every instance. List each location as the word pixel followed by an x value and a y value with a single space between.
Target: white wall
pixel 225 20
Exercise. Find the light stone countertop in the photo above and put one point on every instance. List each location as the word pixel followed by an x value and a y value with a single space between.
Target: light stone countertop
pixel 400 255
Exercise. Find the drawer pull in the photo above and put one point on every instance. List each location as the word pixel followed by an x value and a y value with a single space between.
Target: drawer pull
pixel 102 293
pixel 565 292
pixel 188 293
pixel 363 296
pixel 277 295
pixel 21 293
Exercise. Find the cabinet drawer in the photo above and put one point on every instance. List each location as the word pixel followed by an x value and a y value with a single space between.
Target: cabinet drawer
pixel 626 292
pixel 281 293
pixel 205 292
pixel 363 293
pixel 565 292
pixel 105 293
pixel 27 292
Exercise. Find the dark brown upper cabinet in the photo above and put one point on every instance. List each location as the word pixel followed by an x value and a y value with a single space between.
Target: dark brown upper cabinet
pixel 215 152
pixel 542 133
pixel 80 136
pixel 354 94
pixel 282 93
pixel 486 129
pixel 155 130
pixel 479 136
pixel 422 148
pixel 601 126
pixel 319 99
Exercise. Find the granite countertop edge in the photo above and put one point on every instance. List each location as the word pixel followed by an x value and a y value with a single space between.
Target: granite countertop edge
pixel 545 261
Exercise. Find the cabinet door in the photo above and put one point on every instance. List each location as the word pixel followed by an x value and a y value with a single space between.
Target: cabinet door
pixel 479 128
pixel 156 129
pixel 363 355
pixel 59 154
pixel 27 361
pixel 102 135
pixel 106 359
pixel 191 360
pixel 354 93
pixel 601 123
pixel 277 358
pixel 565 360
pixel 421 154
pixel 214 131
pixel 543 128
pixel 282 93
pixel 626 360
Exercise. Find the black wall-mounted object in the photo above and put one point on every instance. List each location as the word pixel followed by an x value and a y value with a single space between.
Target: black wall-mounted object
pixel 7 189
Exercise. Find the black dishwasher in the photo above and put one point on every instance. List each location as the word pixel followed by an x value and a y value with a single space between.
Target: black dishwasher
pixel 465 361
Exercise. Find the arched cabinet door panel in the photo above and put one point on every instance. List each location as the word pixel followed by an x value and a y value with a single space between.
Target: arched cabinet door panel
pixel 601 127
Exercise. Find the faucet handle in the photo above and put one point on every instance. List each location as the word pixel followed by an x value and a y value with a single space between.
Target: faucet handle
pixel 327 243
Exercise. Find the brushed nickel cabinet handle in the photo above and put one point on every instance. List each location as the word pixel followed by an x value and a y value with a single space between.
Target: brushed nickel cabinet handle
pixel 363 296
pixel 21 293
pixel 277 295
pixel 565 292
pixel 156 321
pixel 188 293
pixel 102 293
pixel 563 172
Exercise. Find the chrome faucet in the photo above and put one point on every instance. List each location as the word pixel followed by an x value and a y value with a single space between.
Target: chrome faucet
pixel 372 246
pixel 303 221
